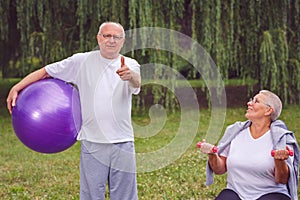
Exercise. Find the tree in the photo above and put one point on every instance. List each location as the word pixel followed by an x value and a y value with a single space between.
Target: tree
pixel 246 39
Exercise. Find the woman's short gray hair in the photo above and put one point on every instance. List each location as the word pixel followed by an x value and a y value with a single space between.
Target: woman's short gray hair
pixel 274 102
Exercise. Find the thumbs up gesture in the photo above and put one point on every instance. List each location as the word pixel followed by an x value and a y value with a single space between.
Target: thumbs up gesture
pixel 122 61
pixel 124 72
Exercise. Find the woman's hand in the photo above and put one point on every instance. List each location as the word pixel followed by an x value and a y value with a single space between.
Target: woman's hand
pixel 206 148
pixel 282 154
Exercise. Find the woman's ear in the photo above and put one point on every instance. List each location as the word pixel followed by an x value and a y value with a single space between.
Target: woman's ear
pixel 269 111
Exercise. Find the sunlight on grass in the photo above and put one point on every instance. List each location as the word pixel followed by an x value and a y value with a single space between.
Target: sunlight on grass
pixel 25 174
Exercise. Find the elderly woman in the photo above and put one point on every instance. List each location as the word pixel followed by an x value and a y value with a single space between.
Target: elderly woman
pixel 244 152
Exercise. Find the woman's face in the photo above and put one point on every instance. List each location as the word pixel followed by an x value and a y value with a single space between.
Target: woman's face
pixel 258 108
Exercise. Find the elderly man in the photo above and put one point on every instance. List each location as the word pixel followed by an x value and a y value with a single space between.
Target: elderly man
pixel 106 81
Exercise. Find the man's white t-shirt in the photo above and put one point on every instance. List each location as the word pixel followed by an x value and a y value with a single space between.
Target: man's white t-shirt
pixel 250 166
pixel 105 98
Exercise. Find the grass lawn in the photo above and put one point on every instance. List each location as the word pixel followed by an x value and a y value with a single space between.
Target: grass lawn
pixel 25 174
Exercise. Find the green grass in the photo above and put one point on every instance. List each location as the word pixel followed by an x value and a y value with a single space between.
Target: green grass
pixel 25 174
pixel 196 83
pixel 231 82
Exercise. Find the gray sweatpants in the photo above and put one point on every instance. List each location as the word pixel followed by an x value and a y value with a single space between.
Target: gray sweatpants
pixel 107 163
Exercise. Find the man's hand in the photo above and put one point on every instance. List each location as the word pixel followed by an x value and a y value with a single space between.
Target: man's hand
pixel 32 77
pixel 11 99
pixel 124 72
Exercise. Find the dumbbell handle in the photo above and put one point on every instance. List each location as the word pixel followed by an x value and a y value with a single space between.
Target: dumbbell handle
pixel 291 153
pixel 214 149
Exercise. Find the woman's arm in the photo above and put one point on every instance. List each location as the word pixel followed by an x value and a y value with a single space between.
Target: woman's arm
pixel 217 163
pixel 282 172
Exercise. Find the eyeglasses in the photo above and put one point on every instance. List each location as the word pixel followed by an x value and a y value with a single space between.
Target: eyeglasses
pixel 254 101
pixel 115 37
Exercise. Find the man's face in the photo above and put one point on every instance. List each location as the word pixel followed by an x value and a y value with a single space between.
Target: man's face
pixel 110 41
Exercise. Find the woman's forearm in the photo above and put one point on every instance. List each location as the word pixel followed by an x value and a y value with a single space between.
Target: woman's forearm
pixel 282 172
pixel 217 163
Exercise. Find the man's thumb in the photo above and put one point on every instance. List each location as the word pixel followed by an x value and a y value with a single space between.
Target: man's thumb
pixel 122 61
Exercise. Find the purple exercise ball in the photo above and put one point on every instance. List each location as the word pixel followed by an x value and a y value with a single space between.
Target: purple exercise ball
pixel 47 116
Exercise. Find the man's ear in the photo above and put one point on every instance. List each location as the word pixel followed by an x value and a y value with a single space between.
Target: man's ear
pixel 98 37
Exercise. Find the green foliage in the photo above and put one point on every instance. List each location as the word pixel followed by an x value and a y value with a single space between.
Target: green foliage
pixel 273 62
pixel 246 39
pixel 21 68
pixel 268 62
pixel 293 79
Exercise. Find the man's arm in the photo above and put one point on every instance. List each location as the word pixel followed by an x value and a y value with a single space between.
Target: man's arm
pixel 30 78
pixel 135 80
pixel 128 75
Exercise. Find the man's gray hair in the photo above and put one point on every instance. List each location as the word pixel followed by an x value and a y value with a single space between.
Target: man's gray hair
pixel 115 23
pixel 274 102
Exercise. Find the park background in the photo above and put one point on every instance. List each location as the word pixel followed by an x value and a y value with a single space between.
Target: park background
pixel 254 44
